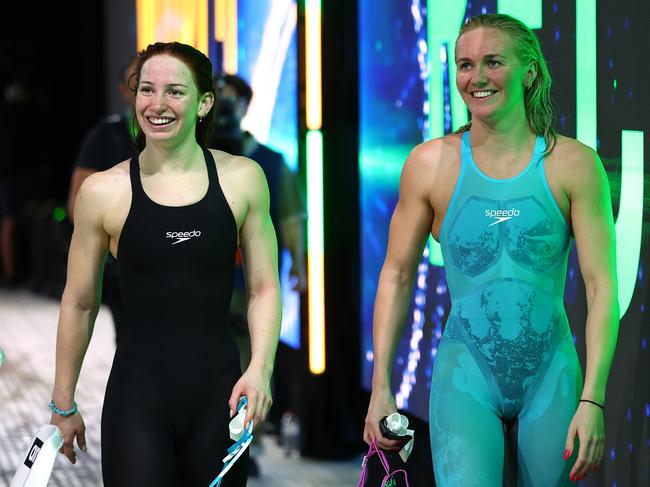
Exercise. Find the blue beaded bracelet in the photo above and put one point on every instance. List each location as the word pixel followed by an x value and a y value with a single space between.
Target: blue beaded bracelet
pixel 61 412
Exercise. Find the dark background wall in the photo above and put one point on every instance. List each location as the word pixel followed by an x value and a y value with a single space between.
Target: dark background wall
pixel 60 65
pixel 120 39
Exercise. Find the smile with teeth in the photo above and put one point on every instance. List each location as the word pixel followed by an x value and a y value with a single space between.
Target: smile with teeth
pixel 160 120
pixel 483 94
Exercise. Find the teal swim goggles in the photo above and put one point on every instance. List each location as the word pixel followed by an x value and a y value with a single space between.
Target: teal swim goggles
pixel 241 434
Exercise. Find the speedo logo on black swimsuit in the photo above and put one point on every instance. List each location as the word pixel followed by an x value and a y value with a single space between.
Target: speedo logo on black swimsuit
pixel 182 236
pixel 501 215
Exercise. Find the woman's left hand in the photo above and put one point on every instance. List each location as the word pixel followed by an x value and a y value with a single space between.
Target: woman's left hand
pixel 256 386
pixel 588 423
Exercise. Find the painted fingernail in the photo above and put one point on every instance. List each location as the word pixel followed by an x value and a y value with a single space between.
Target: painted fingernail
pixel 567 454
pixel 84 449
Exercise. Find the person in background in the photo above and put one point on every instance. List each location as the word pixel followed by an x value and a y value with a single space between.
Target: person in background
pixel 287 203
pixel 107 143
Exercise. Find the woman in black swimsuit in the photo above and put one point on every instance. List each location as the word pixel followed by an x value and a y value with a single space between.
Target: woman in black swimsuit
pixel 173 217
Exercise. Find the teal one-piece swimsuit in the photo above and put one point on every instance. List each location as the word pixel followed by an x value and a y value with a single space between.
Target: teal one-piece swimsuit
pixel 507 352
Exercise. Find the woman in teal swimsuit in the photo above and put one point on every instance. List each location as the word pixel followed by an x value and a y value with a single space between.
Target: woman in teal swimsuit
pixel 504 196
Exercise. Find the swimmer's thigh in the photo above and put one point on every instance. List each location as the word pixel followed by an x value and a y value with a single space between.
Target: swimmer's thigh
pixel 466 435
pixel 545 419
pixel 137 446
pixel 208 439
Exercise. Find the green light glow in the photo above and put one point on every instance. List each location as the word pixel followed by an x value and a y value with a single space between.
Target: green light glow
pixel 614 84
pixel 435 253
pixel 384 164
pixel 630 216
pixel 586 82
pixel 443 28
pixel 315 191
pixel 528 11
pixel 315 251
pixel 59 214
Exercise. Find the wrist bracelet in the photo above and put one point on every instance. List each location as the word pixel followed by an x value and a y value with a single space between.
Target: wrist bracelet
pixel 594 403
pixel 61 412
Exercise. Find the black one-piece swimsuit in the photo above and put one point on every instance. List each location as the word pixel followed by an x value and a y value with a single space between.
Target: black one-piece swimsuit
pixel 165 417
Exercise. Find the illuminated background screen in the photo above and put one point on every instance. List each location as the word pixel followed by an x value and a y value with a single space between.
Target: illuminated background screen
pixel 267 58
pixel 601 105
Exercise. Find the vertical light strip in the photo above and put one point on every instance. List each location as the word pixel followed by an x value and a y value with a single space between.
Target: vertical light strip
pixel 172 20
pixel 444 18
pixel 442 30
pixel 315 252
pixel 313 64
pixel 225 31
pixel 201 27
pixel 586 82
pixel 315 221
pixel 630 216
pixel 145 13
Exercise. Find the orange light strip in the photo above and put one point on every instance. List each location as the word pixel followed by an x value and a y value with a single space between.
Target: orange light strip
pixel 314 64
pixel 184 21
pixel 225 31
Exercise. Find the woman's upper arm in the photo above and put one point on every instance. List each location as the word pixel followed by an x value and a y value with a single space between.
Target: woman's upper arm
pixel 411 222
pixel 88 246
pixel 591 216
pixel 258 240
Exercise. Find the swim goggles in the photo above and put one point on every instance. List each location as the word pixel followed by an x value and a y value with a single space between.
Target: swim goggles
pixel 241 434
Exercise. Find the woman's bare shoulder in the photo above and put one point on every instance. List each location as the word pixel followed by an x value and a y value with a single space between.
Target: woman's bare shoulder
pixel 104 187
pixel 242 181
pixel 572 152
pixel 575 164
pixel 238 168
pixel 433 159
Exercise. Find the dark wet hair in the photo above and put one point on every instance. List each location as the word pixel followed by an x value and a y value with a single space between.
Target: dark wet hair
pixel 540 109
pixel 201 69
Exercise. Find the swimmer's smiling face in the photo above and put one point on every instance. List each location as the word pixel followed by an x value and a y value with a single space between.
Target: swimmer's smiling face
pixel 167 101
pixel 490 77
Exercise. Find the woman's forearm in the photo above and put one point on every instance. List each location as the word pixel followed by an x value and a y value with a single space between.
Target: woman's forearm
pixel 73 336
pixel 601 337
pixel 391 305
pixel 264 320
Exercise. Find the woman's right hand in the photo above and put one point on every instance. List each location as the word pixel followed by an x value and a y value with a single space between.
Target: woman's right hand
pixel 382 403
pixel 70 427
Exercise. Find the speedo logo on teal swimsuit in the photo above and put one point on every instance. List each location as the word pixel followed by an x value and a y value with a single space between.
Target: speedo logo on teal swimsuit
pixel 501 215
pixel 182 236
